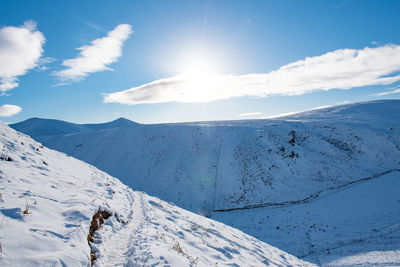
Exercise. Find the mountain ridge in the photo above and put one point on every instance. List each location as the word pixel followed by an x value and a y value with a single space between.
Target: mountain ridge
pixel 121 121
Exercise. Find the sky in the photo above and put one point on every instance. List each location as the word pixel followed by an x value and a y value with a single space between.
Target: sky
pixel 177 61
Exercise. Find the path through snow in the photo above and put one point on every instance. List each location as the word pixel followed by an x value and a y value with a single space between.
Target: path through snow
pixel 128 242
pixel 161 234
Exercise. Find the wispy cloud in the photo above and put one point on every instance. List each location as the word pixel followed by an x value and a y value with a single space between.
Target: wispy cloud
pixel 96 56
pixel 95 26
pixel 339 69
pixel 344 102
pixel 9 110
pixel 392 91
pixel 285 114
pixel 20 51
pixel 249 114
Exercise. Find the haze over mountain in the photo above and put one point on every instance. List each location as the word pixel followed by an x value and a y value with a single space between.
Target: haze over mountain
pixel 306 183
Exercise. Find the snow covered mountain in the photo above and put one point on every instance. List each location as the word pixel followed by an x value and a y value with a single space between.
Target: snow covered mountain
pixel 321 185
pixel 235 164
pixel 59 211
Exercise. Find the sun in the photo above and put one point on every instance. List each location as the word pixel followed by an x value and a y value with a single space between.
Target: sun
pixel 199 77
pixel 198 67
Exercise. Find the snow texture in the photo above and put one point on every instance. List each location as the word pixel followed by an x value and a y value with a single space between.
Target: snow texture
pixel 281 180
pixel 47 200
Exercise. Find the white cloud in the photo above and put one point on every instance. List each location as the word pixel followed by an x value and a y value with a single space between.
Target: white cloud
pixel 249 114
pixel 20 51
pixel 96 56
pixel 339 69
pixel 395 90
pixel 9 110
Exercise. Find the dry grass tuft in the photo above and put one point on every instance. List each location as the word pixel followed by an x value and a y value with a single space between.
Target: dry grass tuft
pixel 26 211
pixel 97 222
pixel 181 250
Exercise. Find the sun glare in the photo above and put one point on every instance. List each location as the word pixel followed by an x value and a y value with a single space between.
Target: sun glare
pixel 198 73
pixel 198 67
pixel 200 77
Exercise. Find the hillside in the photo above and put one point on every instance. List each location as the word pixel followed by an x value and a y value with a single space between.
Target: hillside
pixel 283 181
pixel 227 165
pixel 52 207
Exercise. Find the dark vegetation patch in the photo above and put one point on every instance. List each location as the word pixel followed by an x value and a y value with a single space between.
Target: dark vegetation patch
pixel 6 158
pixel 97 222
pixel 292 140
pixel 341 145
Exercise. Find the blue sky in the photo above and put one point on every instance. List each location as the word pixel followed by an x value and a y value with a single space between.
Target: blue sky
pixel 218 53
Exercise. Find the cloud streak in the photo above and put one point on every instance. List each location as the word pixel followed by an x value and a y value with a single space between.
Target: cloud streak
pixel 249 114
pixel 395 90
pixel 9 110
pixel 339 69
pixel 20 51
pixel 96 56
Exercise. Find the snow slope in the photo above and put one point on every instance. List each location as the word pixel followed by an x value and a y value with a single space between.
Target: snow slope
pixel 260 174
pixel 340 226
pixel 227 165
pixel 48 199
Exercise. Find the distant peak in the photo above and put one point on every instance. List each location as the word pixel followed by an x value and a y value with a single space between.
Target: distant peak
pixel 120 122
pixel 121 119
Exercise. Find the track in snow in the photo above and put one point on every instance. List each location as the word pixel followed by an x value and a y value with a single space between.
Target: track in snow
pixel 128 242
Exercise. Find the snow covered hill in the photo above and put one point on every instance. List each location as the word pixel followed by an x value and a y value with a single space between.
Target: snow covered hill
pixel 355 224
pixel 52 210
pixel 236 164
pixel 262 175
